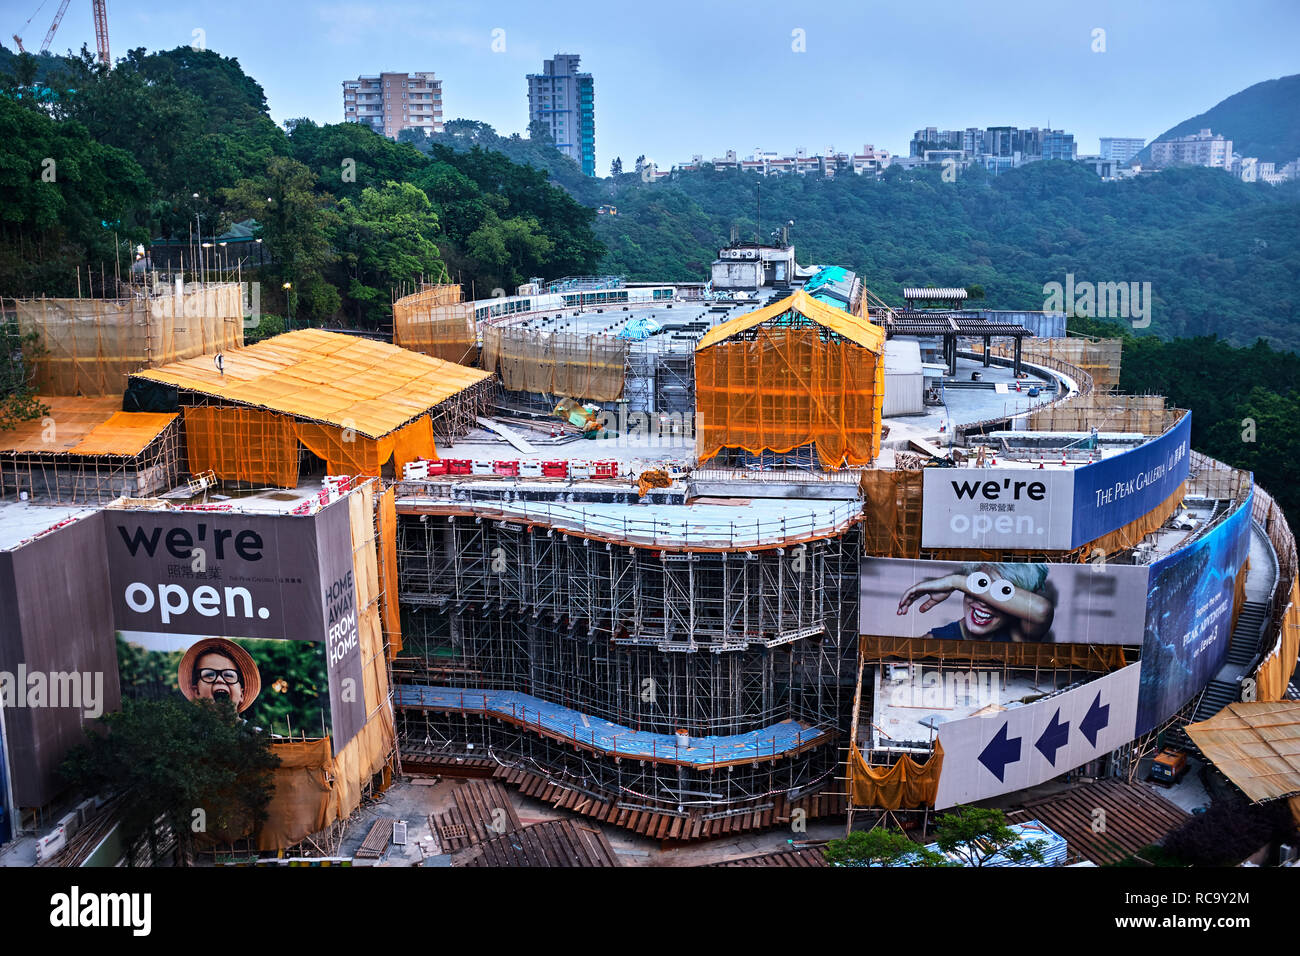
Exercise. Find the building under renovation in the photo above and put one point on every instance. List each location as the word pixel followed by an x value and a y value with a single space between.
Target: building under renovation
pixel 670 557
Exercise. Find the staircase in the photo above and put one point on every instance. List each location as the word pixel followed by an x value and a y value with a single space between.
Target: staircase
pixel 1243 650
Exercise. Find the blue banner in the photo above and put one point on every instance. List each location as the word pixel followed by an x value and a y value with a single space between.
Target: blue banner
pixel 1115 491
pixel 1189 618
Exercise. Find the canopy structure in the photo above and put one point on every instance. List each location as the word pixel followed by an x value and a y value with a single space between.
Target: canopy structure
pixel 1256 745
pixel 85 426
pixel 795 373
pixel 371 387
pixel 86 448
pixel 353 402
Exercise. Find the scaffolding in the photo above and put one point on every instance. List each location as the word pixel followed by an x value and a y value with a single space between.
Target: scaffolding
pixel 556 364
pixel 1144 414
pixel 794 373
pixel 435 321
pixel 1100 358
pixel 89 346
pixel 84 450
pixel 661 641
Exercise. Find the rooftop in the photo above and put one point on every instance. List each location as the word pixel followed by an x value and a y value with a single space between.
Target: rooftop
pixel 327 377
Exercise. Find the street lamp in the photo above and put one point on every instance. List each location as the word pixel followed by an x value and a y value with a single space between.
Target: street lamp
pixel 288 295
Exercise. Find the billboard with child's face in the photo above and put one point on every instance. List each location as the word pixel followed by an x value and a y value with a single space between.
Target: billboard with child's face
pixel 1005 602
pixel 256 610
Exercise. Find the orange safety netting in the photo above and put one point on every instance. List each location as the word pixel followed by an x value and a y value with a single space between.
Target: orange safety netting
pixel 1276 669
pixel 313 789
pixel 347 452
pixel 787 387
pixel 90 346
pixel 261 447
pixel 242 444
pixel 435 322
pixel 388 560
pixel 907 784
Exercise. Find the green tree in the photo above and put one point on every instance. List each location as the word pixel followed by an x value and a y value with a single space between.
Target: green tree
pixel 386 238
pixel 295 222
pixel 18 401
pixel 195 765
pixel 974 835
pixel 880 847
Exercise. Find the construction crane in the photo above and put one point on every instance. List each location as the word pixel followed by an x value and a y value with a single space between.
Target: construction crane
pixel 101 29
pixel 58 18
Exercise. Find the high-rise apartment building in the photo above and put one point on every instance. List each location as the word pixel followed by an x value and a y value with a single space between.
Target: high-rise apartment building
pixel 1200 149
pixel 391 102
pixel 1121 148
pixel 563 101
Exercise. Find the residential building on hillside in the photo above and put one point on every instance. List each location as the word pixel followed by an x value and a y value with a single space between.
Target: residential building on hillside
pixel 1121 148
pixel 562 100
pixel 1199 149
pixel 391 102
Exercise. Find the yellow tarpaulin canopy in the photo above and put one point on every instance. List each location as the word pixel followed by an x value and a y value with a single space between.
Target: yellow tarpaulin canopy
pixel 328 377
pixel 1256 745
pixel 856 329
pixel 85 426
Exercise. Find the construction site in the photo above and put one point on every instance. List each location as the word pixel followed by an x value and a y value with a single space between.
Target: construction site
pixel 685 562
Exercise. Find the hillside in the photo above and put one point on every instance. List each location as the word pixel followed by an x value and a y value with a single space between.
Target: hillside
pixel 1222 256
pixel 1262 120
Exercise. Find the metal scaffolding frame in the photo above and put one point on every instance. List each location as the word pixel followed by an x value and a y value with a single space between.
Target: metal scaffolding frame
pixel 712 643
pixel 65 478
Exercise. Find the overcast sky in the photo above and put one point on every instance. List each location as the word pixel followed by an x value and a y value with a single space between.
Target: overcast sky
pixel 677 77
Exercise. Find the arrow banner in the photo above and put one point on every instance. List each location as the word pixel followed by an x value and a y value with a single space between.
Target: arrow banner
pixel 1023 746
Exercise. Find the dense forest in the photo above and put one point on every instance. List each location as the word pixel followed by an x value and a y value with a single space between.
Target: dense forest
pixel 95 161
pixel 1245 402
pixel 1222 256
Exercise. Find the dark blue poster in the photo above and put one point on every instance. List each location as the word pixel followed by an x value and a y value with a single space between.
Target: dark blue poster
pixel 1189 618
pixel 1110 493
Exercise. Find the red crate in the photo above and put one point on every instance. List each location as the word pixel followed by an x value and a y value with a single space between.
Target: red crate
pixel 458 466
pixel 555 469
pixel 508 469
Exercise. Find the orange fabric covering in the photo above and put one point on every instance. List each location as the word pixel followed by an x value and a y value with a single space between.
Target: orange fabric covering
pixel 788 387
pixel 260 447
pixel 1277 667
pixel 300 802
pixel 907 784
pixel 314 790
pixel 326 377
pixel 242 444
pixel 85 426
pixel 388 561
pixel 347 452
pixel 852 327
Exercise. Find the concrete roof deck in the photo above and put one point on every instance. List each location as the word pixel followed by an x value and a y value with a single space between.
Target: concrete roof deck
pixel 22 520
